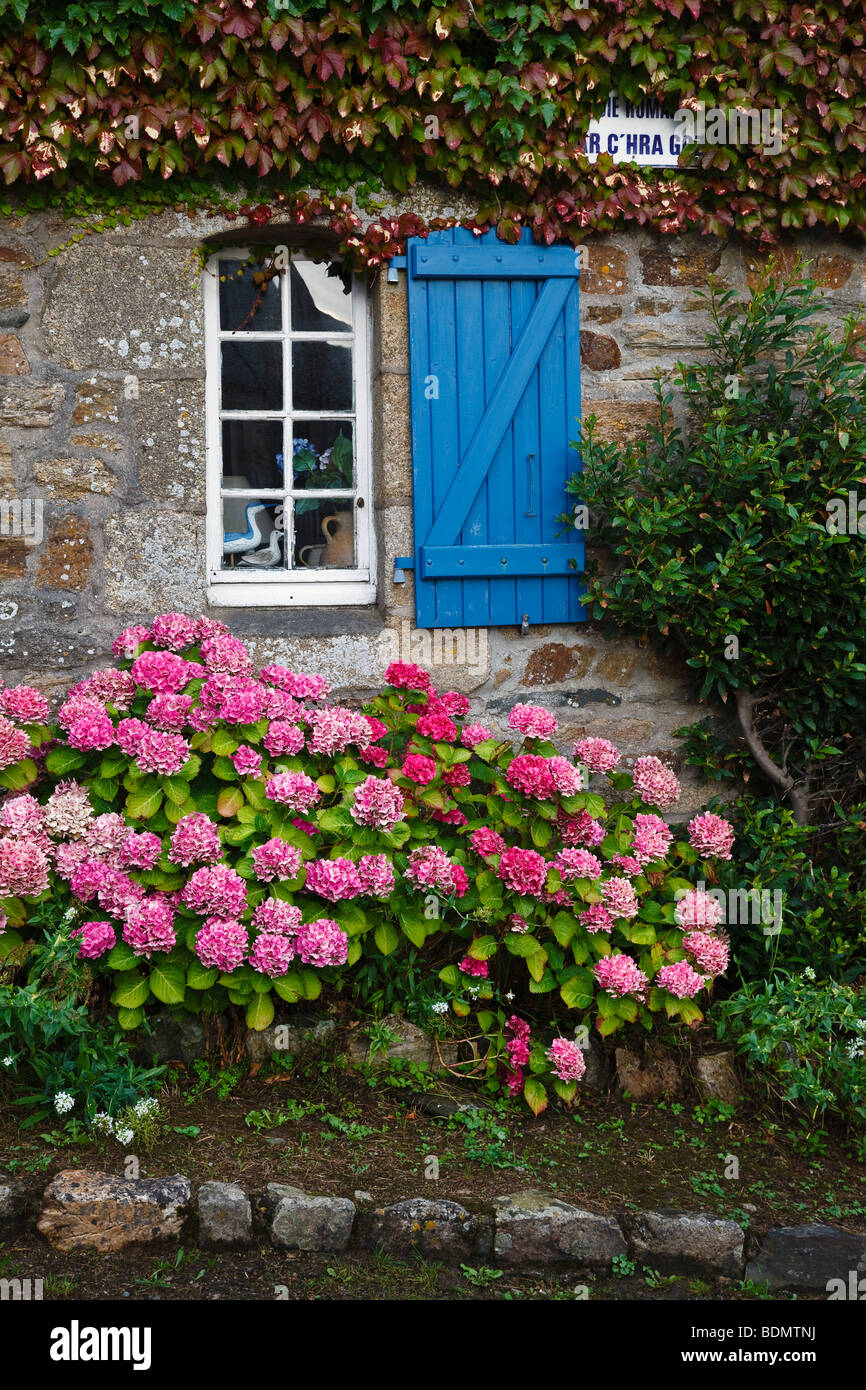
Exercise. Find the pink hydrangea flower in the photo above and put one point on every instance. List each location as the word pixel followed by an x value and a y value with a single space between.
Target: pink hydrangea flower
pixel 454 703
pixel 333 729
pixel 655 783
pixel 627 864
pixel 293 789
pixel 533 721
pixel 470 966
pixel 173 630
pixel 681 980
pixel 247 762
pixel 217 891
pixel 109 686
pixel 620 898
pixel 473 734
pixel 566 1059
pixel 223 652
pixel 140 850
pixel 118 892
pixel 278 705
pixel 531 775
pixel 278 917
pixel 208 627
pixel 272 954
pixel 597 754
pixel 653 838
pixel 195 840
pixel 596 918
pixel 130 732
pixel 453 817
pixel 284 738
pixel 567 779
pixel 376 873
pixel 149 926
pixel 91 732
pixel 523 870
pixel 377 728
pixel 577 863
pixel 88 878
pixel 711 835
pixel 24 704
pixel 618 975
pixel 276 859
pixel 403 675
pixel 22 817
pixel 76 707
pixel 711 953
pixel 333 879
pixel 96 939
pixel 377 802
pixel 68 810
pixel 169 712
pixel 419 768
pixel 222 943
pixel 23 868
pixel 486 841
pixel 106 834
pixel 580 829
pixel 69 857
pixel 322 943
pixel 430 867
pixel 296 684
pixel 697 908
pixel 164 673
pixel 130 641
pixel 456 776
pixel 518 924
pixel 376 757
pixel 517 1034
pixel 163 753
pixel 436 725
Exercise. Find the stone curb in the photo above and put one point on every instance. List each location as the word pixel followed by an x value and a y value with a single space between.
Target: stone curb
pixel 527 1230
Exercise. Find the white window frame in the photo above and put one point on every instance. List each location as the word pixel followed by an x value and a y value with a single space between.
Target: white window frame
pixel 297 587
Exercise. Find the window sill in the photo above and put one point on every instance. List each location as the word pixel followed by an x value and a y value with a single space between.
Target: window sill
pixel 300 622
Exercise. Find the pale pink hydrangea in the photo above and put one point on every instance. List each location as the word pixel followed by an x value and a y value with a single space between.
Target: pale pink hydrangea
pixel 222 944
pixel 376 873
pixel 173 630
pixel 577 863
pixel 486 841
pixel 165 673
pixel 293 789
pixel 130 641
pixel 322 943
pixel 276 859
pixel 531 775
pixel 596 918
pixel 68 810
pixel 620 898
pixel 247 762
pixel 217 891
pixel 580 829
pixel 105 834
pixel 681 980
pixel 655 783
pixel 333 879
pixel 69 857
pixel 598 754
pixel 533 721
pixel 419 768
pixel 96 939
pixel 149 926
pixel 208 627
pixel 474 734
pixel 377 802
pixel 619 975
pixel 195 840
pixel 272 954
pixel 76 707
pixel 279 705
pixel 652 839
pixel 129 734
pixel 118 892
pixel 140 850
pixel 163 753
pixel 169 712
pixel 523 870
pixel 567 779
pixel 403 675
pixel 22 817
pixel 109 686
pixel 333 729
pixel 284 738
pixel 711 953
pixel 711 835
pixel 24 704
pixel 296 684
pixel 23 868
pixel 223 652
pixel 274 916
pixel 697 908
pixel 430 867
pixel 566 1059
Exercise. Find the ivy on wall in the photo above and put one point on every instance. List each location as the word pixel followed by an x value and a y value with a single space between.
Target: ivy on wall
pixel 162 101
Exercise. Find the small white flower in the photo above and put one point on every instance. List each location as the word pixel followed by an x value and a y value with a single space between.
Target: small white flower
pixel 808 973
pixel 473 991
pixel 440 1007
pixel 103 1123
pixel 124 1136
pixel 8 1061
pixel 63 1102
pixel 510 995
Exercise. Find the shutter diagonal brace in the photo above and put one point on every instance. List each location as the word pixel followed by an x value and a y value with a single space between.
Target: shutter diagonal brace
pixel 498 414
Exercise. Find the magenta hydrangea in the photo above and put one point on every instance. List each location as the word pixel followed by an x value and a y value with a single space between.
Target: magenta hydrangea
pixel 523 870
pixel 486 841
pixel 140 850
pixel 130 641
pixel 23 868
pixel 577 863
pixel 430 867
pixel 598 754
pixel 419 768
pixel 567 1062
pixel 322 942
pixel 169 712
pixel 276 859
pixel 149 926
pixel 217 891
pixel 403 675
pixel 378 803
pixel 619 896
pixel 222 944
pixel 473 734
pixel 619 975
pixel 195 840
pixel 711 953
pixel 711 836
pixel 272 954
pixel 162 753
pixel 223 652
pixel 531 775
pixel 334 879
pixel 533 721
pixel 681 980
pixel 376 874
pixel 165 673
pixel 293 789
pixel 175 631
pixel 272 915
pixel 96 939
pixel 470 966
pixel 596 918
pixel 284 738
pixel 247 762
pixel 24 704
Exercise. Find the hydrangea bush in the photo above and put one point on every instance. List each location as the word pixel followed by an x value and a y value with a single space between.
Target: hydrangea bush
pixel 230 836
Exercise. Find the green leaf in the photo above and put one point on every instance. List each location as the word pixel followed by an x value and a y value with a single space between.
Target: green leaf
pixel 223 744
pixel 130 1018
pixel 578 990
pixel 312 984
pixel 386 937
pixel 143 805
pixel 168 981
pixel 131 990
pixel 121 957
pixel 289 987
pixel 535 1094
pixel 9 942
pixel 260 1012
pixel 200 976
pixel 482 948
pixel 176 789
pixel 19 775
pixel 63 760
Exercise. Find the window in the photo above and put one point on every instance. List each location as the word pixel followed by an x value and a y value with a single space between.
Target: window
pixel 288 434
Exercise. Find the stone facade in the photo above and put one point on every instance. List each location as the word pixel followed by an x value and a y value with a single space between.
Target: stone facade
pixel 102 419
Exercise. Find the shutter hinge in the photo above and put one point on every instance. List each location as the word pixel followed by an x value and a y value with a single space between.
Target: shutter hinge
pixel 524 624
pixel 396 263
pixel 401 563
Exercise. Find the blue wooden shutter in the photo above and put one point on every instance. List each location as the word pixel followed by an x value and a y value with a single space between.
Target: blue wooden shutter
pixel 494 348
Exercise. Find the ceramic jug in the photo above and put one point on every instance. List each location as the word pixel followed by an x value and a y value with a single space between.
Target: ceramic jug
pixel 339 532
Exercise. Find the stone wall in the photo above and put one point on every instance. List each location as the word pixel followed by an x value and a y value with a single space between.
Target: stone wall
pixel 122 475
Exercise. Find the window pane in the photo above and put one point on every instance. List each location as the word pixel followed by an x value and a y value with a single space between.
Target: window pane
pixel 252 453
pixel 245 304
pixel 319 301
pixel 252 376
pixel 321 376
pixel 324 534
pixel 323 454
pixel 252 534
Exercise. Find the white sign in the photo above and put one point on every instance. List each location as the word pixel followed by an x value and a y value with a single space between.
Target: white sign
pixel 635 133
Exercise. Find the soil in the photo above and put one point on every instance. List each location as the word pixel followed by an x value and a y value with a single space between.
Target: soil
pixel 332 1131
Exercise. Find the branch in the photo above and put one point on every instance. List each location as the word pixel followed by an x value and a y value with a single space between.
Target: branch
pixel 796 792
